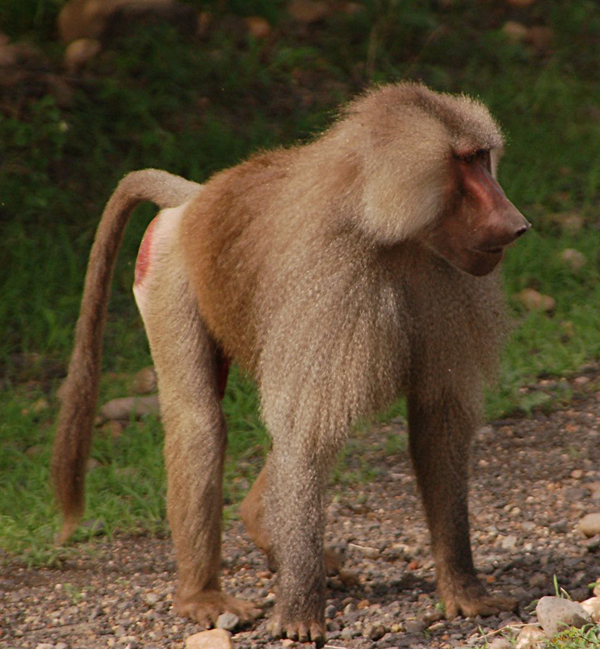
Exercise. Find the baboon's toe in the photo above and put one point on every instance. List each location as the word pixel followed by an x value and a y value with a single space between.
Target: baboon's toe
pixel 300 631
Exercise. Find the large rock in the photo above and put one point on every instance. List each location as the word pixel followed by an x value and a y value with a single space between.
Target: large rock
pixel 592 606
pixel 555 614
pixel 215 639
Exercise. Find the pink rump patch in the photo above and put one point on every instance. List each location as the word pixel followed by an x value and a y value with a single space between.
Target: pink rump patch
pixel 142 263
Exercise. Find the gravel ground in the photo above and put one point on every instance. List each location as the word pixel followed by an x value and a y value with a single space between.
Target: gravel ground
pixel 533 480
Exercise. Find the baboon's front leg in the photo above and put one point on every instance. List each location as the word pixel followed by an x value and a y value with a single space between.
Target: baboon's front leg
pixel 440 439
pixel 295 521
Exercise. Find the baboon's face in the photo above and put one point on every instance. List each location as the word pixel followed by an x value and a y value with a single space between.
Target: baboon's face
pixel 479 221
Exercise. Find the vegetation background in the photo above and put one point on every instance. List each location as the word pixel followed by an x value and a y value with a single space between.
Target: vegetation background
pixel 256 74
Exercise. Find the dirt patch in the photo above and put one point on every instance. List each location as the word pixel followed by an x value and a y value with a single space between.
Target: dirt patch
pixel 532 481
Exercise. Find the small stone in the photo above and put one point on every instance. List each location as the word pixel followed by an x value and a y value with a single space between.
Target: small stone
pixel 151 599
pixel 414 626
pixel 533 300
pixel 556 613
pixel 308 11
pixel 367 551
pixel 538 580
pixel 347 633
pixel 113 428
pixel 80 52
pixel 592 607
pixel 435 615
pixel 330 611
pixel 569 221
pixel 144 381
pixel 437 626
pixel 258 26
pixel 44 645
pixel 574 259
pixel 500 643
pixel 377 632
pixel 214 639
pixel 577 474
pixel 228 621
pixel 515 32
pixel 590 525
pixel 530 637
pixel 128 407
pixel 581 380
pixel 509 542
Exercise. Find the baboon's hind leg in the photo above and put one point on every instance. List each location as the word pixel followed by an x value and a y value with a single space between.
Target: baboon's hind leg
pixel 253 515
pixel 188 368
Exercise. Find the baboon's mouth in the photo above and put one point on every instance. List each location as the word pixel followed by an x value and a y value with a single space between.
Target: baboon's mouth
pixel 492 250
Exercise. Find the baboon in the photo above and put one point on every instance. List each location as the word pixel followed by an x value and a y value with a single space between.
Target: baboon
pixel 339 275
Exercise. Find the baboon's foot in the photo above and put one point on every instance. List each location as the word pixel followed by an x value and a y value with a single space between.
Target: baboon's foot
pixel 206 606
pixel 472 599
pixel 300 630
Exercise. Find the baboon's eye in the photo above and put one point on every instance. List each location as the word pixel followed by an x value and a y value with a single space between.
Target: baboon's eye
pixel 481 155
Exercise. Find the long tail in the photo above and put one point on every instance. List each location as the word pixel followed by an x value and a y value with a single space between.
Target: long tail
pixel 80 391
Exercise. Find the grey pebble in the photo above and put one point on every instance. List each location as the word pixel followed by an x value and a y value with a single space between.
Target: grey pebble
pixel 500 643
pixel 415 626
pixel 151 598
pixel 227 621
pixel 376 632
pixel 538 580
pixel 348 633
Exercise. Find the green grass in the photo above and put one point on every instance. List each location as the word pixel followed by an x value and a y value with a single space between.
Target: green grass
pixel 194 106
pixel 587 637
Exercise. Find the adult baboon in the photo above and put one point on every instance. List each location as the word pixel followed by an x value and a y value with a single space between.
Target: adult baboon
pixel 339 274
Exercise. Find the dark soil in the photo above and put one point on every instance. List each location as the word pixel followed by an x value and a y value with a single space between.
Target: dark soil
pixel 533 479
